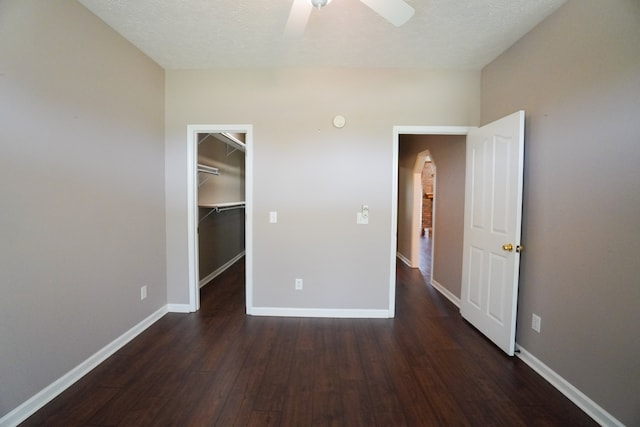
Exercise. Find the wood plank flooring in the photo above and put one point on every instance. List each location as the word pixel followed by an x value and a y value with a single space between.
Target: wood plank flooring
pixel 219 367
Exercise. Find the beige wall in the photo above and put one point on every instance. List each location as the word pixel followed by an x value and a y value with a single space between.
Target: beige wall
pixel 406 210
pixel 296 148
pixel 577 76
pixel 221 238
pixel 410 165
pixel 448 153
pixel 81 184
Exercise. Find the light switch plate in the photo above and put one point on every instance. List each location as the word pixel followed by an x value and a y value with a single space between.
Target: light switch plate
pixel 362 219
pixel 273 217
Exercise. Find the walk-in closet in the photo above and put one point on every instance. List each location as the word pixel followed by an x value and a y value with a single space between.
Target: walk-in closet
pixel 221 202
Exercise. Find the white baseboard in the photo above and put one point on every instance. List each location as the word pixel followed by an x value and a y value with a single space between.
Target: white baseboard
pixel 404 259
pixel 179 308
pixel 29 407
pixel 221 269
pixel 446 293
pixel 318 312
pixel 590 407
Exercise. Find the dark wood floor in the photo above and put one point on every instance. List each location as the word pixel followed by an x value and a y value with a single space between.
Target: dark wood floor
pixel 219 367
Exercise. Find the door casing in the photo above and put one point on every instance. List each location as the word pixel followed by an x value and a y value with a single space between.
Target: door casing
pixel 192 208
pixel 397 131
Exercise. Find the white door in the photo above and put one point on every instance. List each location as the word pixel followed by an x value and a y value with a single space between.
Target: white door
pixel 492 222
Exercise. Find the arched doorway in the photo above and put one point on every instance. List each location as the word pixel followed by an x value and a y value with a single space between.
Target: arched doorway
pixel 428 190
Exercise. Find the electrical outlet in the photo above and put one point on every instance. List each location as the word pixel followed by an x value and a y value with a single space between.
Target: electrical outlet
pixel 143 292
pixel 298 284
pixel 535 322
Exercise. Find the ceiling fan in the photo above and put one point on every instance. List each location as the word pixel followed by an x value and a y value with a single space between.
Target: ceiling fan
pixel 396 12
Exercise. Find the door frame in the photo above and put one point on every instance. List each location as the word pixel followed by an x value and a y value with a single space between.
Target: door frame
pixel 192 208
pixel 397 131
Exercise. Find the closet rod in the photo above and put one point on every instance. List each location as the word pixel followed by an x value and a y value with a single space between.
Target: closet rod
pixel 221 208
pixel 208 169
pixel 229 207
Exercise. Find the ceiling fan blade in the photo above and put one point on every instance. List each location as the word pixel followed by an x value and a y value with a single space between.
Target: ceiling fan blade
pixel 395 11
pixel 298 17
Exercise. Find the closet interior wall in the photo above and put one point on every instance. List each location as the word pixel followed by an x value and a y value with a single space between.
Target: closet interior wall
pixel 221 214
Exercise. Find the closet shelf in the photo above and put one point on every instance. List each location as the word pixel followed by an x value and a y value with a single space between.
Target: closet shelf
pixel 234 205
pixel 208 169
pixel 220 207
pixel 228 139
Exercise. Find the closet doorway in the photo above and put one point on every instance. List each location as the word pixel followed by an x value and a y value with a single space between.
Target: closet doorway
pixel 219 202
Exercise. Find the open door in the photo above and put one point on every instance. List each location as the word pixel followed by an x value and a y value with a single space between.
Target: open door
pixel 492 223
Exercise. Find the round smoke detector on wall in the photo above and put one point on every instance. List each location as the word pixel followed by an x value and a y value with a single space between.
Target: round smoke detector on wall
pixel 339 121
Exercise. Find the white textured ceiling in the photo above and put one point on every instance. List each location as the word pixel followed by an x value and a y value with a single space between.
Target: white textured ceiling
pixel 199 34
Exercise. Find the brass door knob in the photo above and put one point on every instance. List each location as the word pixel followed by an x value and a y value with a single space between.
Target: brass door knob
pixel 508 247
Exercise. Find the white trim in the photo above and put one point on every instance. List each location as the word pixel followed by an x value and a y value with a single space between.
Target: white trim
pixel 248 231
pixel 221 269
pixel 44 396
pixel 394 223
pixel 432 130
pixel 404 259
pixel 397 131
pixel 192 218
pixel 192 212
pixel 179 308
pixel 590 407
pixel 446 293
pixel 319 312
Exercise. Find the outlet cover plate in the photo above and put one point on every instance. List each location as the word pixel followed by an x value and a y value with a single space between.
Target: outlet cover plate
pixel 535 322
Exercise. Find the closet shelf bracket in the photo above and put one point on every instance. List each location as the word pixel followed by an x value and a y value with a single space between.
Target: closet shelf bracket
pixel 230 150
pixel 208 170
